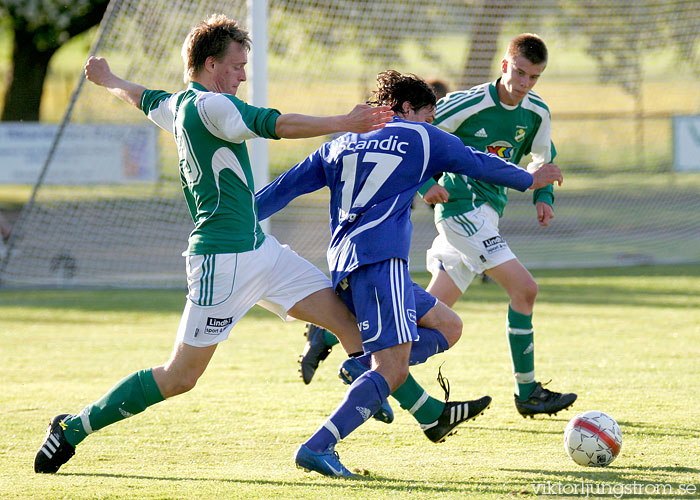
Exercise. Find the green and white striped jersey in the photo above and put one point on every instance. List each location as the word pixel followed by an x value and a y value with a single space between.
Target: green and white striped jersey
pixel 210 130
pixel 481 121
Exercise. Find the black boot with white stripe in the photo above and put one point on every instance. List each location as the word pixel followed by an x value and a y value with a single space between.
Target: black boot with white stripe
pixel 55 450
pixel 455 413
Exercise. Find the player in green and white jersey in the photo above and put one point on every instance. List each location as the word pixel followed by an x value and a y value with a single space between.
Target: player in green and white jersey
pixel 508 119
pixel 231 264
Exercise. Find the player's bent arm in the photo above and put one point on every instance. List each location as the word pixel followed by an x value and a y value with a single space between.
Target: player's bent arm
pixel 97 71
pixel 363 118
pixel 543 151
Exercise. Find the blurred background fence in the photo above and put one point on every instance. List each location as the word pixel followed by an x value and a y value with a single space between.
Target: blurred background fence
pixel 621 85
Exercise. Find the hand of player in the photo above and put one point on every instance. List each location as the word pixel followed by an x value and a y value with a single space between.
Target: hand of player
pixel 545 174
pixel 436 194
pixel 97 71
pixel 545 213
pixel 365 118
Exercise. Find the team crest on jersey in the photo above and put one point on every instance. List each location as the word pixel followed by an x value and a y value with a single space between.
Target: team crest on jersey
pixel 502 149
pixel 520 133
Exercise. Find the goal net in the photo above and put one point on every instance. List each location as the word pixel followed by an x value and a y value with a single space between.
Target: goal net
pixel 620 84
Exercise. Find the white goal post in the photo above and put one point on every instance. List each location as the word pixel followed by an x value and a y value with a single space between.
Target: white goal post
pixel 613 85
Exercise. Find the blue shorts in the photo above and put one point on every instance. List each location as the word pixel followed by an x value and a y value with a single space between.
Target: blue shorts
pixel 386 303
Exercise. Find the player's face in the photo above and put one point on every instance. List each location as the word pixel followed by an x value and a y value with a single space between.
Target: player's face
pixel 229 72
pixel 519 76
pixel 424 114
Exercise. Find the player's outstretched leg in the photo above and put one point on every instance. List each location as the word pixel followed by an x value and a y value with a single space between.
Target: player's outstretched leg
pixel 131 395
pixel 543 400
pixel 319 343
pixel 55 450
pixel 349 370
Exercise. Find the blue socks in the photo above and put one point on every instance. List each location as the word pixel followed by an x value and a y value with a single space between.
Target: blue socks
pixel 362 400
pixel 430 343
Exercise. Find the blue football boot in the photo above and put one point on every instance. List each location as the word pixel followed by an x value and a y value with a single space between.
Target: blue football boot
pixel 326 462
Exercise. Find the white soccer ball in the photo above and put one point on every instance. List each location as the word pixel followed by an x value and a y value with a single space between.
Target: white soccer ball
pixel 593 438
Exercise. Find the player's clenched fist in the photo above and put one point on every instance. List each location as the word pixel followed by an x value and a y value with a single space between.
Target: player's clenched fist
pixel 97 70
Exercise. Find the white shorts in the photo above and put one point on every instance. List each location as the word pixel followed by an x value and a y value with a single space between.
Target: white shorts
pixel 223 287
pixel 467 245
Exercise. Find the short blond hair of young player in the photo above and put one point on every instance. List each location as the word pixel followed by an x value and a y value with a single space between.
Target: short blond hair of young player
pixel 210 38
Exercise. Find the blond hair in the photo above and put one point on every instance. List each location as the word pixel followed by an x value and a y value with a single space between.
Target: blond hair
pixel 210 38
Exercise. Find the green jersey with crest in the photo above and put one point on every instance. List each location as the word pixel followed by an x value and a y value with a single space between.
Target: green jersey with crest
pixel 210 131
pixel 481 121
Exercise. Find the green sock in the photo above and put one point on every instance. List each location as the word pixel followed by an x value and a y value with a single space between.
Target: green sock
pixel 522 352
pixel 412 397
pixel 329 338
pixel 129 396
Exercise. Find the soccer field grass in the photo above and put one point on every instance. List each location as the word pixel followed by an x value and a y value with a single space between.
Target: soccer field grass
pixel 627 340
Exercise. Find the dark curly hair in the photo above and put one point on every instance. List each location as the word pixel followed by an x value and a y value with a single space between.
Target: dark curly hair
pixel 394 88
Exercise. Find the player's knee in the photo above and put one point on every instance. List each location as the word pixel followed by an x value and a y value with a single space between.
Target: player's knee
pixel 526 293
pixel 399 377
pixel 453 329
pixel 179 383
pixel 395 376
pixel 445 320
pixel 531 291
pixel 185 384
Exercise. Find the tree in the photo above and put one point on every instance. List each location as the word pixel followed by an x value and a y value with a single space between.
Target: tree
pixel 630 30
pixel 488 23
pixel 40 27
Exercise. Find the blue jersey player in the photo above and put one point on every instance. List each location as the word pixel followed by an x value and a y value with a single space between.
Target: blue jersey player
pixel 373 179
